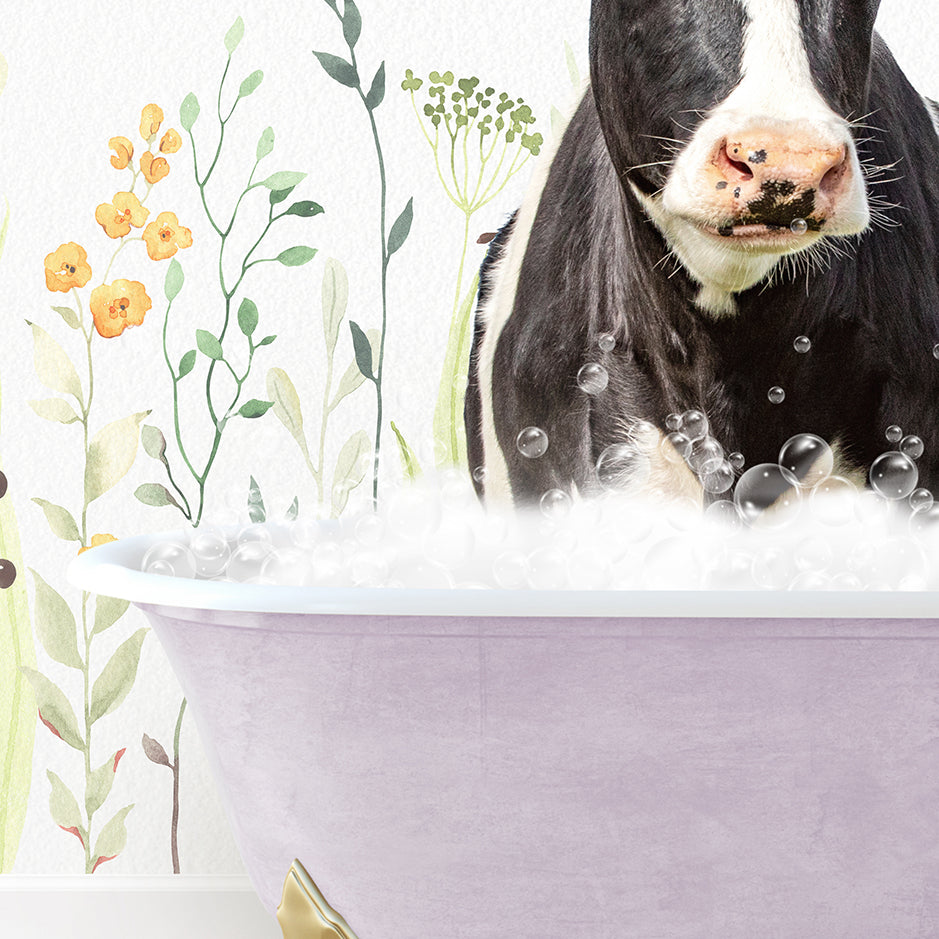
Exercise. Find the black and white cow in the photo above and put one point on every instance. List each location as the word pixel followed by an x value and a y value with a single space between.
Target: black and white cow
pixel 740 173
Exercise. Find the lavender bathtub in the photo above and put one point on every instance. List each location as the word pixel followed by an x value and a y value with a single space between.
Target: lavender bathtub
pixel 473 764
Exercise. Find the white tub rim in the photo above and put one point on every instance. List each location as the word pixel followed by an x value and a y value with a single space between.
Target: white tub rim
pixel 112 570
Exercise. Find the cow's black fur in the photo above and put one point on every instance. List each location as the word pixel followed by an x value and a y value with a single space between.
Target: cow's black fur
pixel 592 267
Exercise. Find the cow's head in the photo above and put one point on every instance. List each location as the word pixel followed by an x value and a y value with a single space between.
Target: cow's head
pixel 732 122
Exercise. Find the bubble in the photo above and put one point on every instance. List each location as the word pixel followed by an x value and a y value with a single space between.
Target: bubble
pixel 510 569
pixel 414 512
pixel 532 442
pixel 675 447
pixel 247 559
pixel 720 479
pixel 894 433
pixel 912 446
pixel 606 342
pixel 170 558
pixel 921 499
pixel 453 543
pixel 673 421
pixel 845 580
pixel 555 503
pixel 3 485
pixel 593 378
pixel 422 574
pixel 7 573
pixel 935 351
pixel 480 474
pixel 547 568
pixel 694 425
pixel 808 458
pixel 773 568
pixel 832 501
pixel 776 395
pixel 894 475
pixel 802 344
pixel 767 495
pixel 810 580
pixel 287 566
pixel 736 460
pixel 723 513
pixel 370 529
pixel 812 554
pixel 621 465
pixel 924 522
pixel 799 226
pixel 328 566
pixel 871 508
pixel 306 532
pixel 706 455
pixel 211 551
pixel 255 532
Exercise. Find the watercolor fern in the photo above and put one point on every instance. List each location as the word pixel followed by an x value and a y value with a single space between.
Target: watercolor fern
pixel 220 369
pixel 480 140
pixel 346 73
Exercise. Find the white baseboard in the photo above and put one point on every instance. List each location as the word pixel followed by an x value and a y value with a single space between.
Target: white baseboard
pixel 137 907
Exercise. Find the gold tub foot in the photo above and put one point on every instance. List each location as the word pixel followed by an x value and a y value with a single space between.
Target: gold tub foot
pixel 304 913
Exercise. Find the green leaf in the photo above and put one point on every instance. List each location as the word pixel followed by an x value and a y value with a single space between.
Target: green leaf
pixel 296 256
pixel 189 111
pixel 63 805
pixel 155 494
pixel 353 378
pixel 117 677
pixel 55 625
pixel 248 316
pixel 256 511
pixel 279 195
pixel 572 70
pixel 100 782
pixel 108 610
pixel 285 179
pixel 208 344
pixel 411 83
pixel 55 409
pixel 250 84
pixel 304 209
pixel 401 228
pixel 113 837
pixel 255 408
pixel 363 350
pixel 350 469
pixel 54 709
pixel 287 406
pixel 234 35
pixel 376 93
pixel 53 366
pixel 154 443
pixel 335 300
pixel 187 363
pixel 412 469
pixel 69 315
pixel 266 143
pixel 293 511
pixel 338 69
pixel 111 454
pixel 173 282
pixel 351 23
pixel 60 521
pixel 266 341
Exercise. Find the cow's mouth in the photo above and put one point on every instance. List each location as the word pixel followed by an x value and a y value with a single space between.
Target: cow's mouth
pixel 764 232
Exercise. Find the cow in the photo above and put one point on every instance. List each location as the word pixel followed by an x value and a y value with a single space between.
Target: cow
pixel 740 221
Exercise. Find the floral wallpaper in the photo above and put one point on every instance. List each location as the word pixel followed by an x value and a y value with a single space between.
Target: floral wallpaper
pixel 239 254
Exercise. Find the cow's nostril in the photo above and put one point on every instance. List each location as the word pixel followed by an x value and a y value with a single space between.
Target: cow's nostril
pixel 832 178
pixel 734 170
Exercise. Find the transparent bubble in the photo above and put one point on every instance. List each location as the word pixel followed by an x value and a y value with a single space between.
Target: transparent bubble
pixel 211 551
pixel 510 569
pixel 547 568
pixel 723 513
pixel 621 465
pixel 813 554
pixel 935 351
pixel 532 442
pixel 247 560
pixel 422 574
pixel 479 474
pixel 673 421
pixel 912 446
pixel 776 395
pixel 555 503
pixel 694 425
pixel 773 568
pixel 287 566
pixel 706 455
pixel 456 491
pixel 799 226
pixel 593 378
pixel 767 495
pixel 369 529
pixel 871 508
pixel 808 458
pixel 894 475
pixel 453 543
pixel 675 447
pixel 832 501
pixel 719 479
pixel 257 531
pixel 810 580
pixel 924 522
pixel 414 512
pixel 802 344
pixel 683 514
pixel 306 532
pixel 845 580
pixel 369 568
pixel 894 433
pixel 921 499
pixel 328 565
pixel 169 558
pixel 606 342
pixel 736 460
pixel 671 563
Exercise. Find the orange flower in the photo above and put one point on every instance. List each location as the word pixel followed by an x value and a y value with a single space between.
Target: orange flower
pixel 170 142
pixel 117 216
pixel 154 168
pixel 116 306
pixel 67 267
pixel 151 117
pixel 96 540
pixel 164 236
pixel 124 151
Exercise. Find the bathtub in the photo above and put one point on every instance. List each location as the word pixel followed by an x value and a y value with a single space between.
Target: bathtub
pixel 536 765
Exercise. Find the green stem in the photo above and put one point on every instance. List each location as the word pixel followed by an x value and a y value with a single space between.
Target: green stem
pixel 179 436
pixel 174 840
pixel 321 468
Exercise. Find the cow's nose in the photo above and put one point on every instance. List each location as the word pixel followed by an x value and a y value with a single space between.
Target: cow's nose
pixel 773 178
